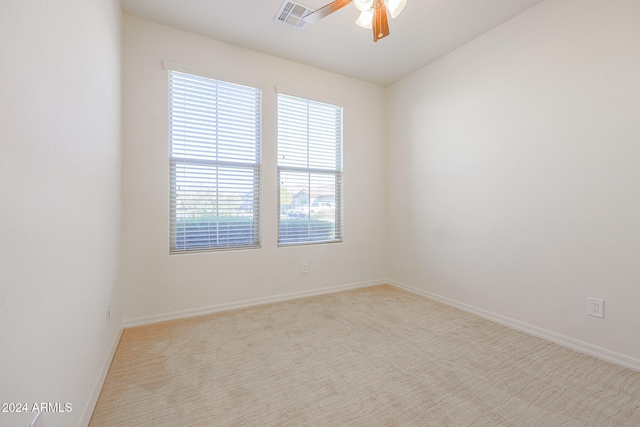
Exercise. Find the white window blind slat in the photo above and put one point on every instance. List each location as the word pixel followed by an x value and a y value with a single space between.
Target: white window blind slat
pixel 309 171
pixel 215 162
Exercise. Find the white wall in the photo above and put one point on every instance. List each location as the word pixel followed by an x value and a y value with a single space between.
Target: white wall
pixel 156 285
pixel 59 201
pixel 514 173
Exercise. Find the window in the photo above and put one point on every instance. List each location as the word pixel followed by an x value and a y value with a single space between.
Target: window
pixel 215 137
pixel 309 171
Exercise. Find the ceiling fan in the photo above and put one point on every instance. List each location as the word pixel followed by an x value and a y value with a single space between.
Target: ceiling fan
pixel 373 14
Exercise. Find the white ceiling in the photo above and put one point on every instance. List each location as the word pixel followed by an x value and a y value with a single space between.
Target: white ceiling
pixel 426 30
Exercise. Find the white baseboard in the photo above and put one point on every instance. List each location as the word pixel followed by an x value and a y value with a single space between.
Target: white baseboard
pixel 182 314
pixel 581 346
pixel 97 388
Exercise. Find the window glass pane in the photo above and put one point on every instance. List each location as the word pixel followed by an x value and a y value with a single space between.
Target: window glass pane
pixel 307 207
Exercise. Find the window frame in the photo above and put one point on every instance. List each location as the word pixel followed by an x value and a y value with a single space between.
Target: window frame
pixel 337 173
pixel 253 167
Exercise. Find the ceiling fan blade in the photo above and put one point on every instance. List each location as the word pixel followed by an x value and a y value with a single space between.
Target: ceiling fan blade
pixel 317 15
pixel 380 23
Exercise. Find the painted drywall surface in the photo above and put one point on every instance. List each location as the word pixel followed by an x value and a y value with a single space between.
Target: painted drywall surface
pixel 513 172
pixel 59 202
pixel 154 282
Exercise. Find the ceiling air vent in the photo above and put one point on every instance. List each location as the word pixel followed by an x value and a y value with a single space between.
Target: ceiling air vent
pixel 291 14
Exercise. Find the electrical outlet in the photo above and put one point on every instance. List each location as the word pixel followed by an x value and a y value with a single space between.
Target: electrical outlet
pixel 595 307
pixel 38 421
pixel 304 268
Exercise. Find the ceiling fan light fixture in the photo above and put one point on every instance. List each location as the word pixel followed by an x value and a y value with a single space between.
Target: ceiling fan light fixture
pixel 365 20
pixel 373 14
pixel 395 6
pixel 363 5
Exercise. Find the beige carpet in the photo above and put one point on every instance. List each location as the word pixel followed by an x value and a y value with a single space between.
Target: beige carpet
pixel 377 356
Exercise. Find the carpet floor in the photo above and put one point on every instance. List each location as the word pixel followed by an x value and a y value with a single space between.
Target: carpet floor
pixel 377 356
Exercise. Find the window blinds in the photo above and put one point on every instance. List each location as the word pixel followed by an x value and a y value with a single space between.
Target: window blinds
pixel 215 138
pixel 309 171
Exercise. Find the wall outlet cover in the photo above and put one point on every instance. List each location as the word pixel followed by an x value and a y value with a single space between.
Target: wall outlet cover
pixel 595 307
pixel 38 421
